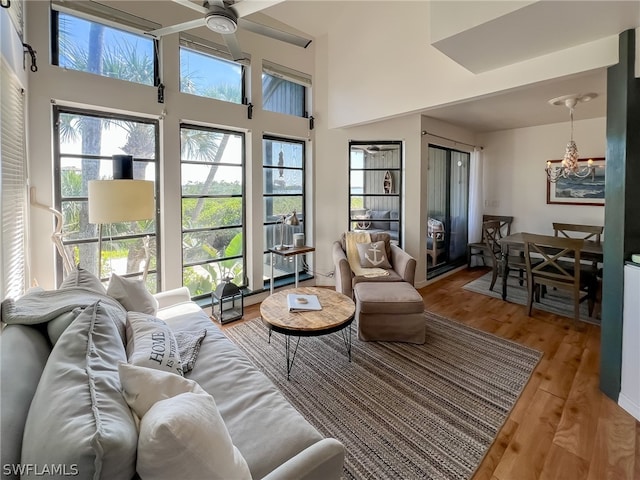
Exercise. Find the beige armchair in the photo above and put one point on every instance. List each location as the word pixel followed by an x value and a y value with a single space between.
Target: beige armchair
pixel 403 265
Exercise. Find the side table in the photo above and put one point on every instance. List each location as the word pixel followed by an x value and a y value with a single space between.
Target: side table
pixel 288 252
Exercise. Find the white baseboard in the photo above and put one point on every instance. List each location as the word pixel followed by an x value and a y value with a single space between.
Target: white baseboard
pixel 629 405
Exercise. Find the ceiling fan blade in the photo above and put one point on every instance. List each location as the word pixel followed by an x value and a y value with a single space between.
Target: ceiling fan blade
pixel 180 27
pixel 273 33
pixel 233 46
pixel 247 7
pixel 192 6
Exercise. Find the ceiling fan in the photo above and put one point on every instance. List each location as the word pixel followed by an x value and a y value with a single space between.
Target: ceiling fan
pixel 225 17
pixel 376 148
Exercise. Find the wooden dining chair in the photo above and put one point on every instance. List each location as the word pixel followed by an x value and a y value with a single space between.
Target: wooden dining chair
pixel 479 248
pixel 492 233
pixel 555 262
pixel 572 230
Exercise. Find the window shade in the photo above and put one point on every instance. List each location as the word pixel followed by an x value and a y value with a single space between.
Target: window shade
pixel 14 181
pixel 211 48
pixel 104 14
pixel 286 73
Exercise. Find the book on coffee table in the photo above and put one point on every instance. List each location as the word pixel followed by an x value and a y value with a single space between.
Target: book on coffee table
pixel 303 303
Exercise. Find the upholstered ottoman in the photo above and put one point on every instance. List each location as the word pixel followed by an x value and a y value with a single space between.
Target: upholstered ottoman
pixel 390 312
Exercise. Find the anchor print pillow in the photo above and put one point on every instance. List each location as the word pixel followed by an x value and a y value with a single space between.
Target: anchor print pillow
pixel 372 255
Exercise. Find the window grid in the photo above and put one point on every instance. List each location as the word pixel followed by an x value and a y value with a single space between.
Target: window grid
pixel 123 250
pixel 371 207
pixel 285 173
pixel 213 209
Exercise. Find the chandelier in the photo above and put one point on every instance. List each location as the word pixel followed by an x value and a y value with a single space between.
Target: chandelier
pixel 569 167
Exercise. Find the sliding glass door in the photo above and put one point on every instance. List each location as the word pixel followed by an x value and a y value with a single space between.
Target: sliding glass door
pixel 448 206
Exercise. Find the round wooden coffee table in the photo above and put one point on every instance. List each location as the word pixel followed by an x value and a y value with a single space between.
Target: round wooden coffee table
pixel 337 313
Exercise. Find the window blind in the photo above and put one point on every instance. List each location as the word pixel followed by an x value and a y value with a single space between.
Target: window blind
pixel 13 176
pixel 100 13
pixel 16 13
pixel 286 73
pixel 211 48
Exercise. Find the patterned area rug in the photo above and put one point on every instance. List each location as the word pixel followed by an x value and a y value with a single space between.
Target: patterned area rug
pixel 402 411
pixel 559 302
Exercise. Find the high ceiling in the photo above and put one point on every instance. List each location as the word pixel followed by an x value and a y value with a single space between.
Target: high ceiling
pixel 540 29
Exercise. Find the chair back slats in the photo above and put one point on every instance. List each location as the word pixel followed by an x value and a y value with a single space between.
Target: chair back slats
pixel 492 233
pixel 505 223
pixel 585 232
pixel 548 253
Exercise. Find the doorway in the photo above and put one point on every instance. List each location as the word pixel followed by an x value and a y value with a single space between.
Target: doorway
pixel 448 209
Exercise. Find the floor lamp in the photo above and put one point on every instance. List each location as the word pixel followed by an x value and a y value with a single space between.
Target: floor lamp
pixel 119 200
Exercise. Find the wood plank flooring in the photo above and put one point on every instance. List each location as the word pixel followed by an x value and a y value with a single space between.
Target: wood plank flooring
pixel 562 427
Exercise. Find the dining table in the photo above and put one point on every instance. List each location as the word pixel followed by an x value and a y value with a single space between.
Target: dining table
pixel 591 250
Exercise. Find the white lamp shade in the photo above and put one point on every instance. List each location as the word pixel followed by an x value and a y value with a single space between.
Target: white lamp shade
pixel 113 201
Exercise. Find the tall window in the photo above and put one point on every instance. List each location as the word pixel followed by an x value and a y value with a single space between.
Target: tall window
pixel 213 208
pixel 284 192
pixel 448 208
pixel 375 186
pixel 94 47
pixel 84 144
pixel 205 71
pixel 284 90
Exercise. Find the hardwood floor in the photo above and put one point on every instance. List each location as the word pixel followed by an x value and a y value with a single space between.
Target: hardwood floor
pixel 562 427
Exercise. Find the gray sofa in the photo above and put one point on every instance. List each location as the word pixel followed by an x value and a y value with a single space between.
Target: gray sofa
pixel 274 439
pixel 377 221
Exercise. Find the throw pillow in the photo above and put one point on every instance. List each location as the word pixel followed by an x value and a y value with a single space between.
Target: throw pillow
pixel 182 434
pixel 151 343
pixel 80 277
pixel 189 347
pixel 78 415
pixel 132 293
pixel 372 255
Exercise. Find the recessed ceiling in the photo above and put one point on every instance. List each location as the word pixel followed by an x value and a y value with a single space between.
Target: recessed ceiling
pixel 527 106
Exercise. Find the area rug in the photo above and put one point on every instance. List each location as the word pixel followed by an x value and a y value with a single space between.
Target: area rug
pixel 554 301
pixel 403 411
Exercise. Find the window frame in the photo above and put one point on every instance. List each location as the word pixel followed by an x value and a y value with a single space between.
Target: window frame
pixel 265 196
pixel 243 196
pixel 397 188
pixel 292 76
pixel 59 199
pixel 109 17
pixel 217 52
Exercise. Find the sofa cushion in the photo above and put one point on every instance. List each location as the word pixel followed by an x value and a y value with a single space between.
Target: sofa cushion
pixel 79 277
pixel 394 226
pixel 132 293
pixel 24 351
pixel 78 415
pixel 393 298
pixel 225 372
pixel 182 434
pixel 376 216
pixel 151 343
pixel 373 255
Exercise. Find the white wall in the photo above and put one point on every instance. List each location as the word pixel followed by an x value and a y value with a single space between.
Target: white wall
pixel 515 180
pixel 332 174
pixel 378 72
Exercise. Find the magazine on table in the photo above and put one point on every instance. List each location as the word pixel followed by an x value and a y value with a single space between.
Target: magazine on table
pixel 303 303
